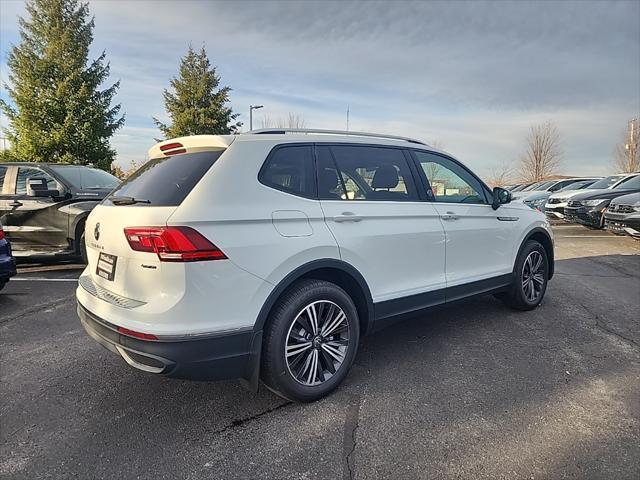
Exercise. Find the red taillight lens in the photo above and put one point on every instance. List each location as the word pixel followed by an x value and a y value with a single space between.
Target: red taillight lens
pixel 1 233
pixel 133 333
pixel 173 244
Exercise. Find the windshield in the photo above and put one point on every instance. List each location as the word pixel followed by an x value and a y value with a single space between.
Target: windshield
pixel 605 182
pixel 546 185
pixel 577 185
pixel 86 178
pixel 533 186
pixel 630 183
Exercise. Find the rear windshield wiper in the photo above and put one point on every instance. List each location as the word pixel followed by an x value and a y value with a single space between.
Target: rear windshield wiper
pixel 127 200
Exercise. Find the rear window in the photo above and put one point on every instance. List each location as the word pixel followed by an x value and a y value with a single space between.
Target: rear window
pixel 165 182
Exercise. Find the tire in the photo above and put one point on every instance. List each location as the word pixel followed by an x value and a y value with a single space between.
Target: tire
pixel 290 328
pixel 520 296
pixel 83 250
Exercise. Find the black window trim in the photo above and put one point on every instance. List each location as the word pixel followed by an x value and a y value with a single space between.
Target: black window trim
pixel 425 181
pixel 418 176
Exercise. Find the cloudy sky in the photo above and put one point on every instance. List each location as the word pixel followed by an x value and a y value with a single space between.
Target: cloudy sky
pixel 472 76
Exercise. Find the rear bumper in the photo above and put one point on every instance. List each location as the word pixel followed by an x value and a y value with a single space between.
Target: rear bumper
pixel 212 357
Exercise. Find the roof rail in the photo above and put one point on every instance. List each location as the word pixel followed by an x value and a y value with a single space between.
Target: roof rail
pixel 282 131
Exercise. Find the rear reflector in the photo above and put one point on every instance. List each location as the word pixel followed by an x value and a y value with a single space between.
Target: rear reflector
pixel 173 244
pixel 133 333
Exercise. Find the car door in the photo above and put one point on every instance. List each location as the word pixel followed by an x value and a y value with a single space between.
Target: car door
pixel 33 223
pixel 479 239
pixel 382 226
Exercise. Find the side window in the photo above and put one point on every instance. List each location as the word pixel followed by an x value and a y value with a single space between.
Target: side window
pixel 374 173
pixel 28 172
pixel 450 183
pixel 290 169
pixel 3 174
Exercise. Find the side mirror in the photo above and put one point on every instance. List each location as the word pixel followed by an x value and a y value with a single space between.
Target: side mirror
pixel 500 196
pixel 37 187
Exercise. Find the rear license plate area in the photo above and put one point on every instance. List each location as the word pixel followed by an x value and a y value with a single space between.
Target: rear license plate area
pixel 106 267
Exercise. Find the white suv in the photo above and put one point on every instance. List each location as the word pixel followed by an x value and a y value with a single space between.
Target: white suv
pixel 268 255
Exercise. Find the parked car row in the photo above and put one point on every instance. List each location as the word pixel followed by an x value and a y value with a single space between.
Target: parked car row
pixel 612 202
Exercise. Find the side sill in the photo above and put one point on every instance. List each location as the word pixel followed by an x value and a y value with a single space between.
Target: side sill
pixel 392 311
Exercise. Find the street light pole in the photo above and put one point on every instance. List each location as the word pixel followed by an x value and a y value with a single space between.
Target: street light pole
pixel 251 109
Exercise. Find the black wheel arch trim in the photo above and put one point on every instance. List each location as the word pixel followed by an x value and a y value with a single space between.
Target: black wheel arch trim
pixel 550 252
pixel 301 271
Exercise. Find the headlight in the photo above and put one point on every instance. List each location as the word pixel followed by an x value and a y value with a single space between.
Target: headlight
pixel 593 203
pixel 536 204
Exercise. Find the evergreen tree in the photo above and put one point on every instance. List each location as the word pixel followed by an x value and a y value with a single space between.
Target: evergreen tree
pixel 60 114
pixel 197 105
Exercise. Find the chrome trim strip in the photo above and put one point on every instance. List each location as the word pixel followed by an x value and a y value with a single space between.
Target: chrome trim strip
pixel 102 293
pixel 146 368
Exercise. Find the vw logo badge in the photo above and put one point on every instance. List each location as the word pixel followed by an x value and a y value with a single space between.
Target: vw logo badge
pixel 96 231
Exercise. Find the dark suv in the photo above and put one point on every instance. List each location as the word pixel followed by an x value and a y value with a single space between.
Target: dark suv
pixel 43 207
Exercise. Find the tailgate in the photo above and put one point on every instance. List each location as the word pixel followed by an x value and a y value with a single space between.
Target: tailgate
pixel 112 263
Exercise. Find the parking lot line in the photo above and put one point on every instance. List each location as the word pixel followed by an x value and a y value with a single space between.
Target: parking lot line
pixel 585 236
pixel 39 279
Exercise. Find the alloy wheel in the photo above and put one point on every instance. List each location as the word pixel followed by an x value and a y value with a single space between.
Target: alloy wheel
pixel 317 343
pixel 533 276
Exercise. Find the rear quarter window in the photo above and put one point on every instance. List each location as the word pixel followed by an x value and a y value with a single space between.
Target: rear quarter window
pixel 167 181
pixel 290 169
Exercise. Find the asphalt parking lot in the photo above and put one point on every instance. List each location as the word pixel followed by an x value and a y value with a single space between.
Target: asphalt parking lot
pixel 473 391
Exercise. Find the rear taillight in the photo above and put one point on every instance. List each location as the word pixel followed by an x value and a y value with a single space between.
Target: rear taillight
pixel 173 244
pixel 1 233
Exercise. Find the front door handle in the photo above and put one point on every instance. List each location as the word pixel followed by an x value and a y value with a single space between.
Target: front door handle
pixel 15 203
pixel 347 217
pixel 449 216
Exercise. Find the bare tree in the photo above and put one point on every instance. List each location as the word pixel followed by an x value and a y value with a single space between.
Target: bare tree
pixel 292 121
pixel 627 153
pixel 501 175
pixel 543 156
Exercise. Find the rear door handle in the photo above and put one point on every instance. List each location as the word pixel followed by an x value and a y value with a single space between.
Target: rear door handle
pixel 15 203
pixel 449 216
pixel 347 217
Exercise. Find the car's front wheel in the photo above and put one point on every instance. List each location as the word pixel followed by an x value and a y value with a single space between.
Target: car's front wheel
pixel 530 277
pixel 310 341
